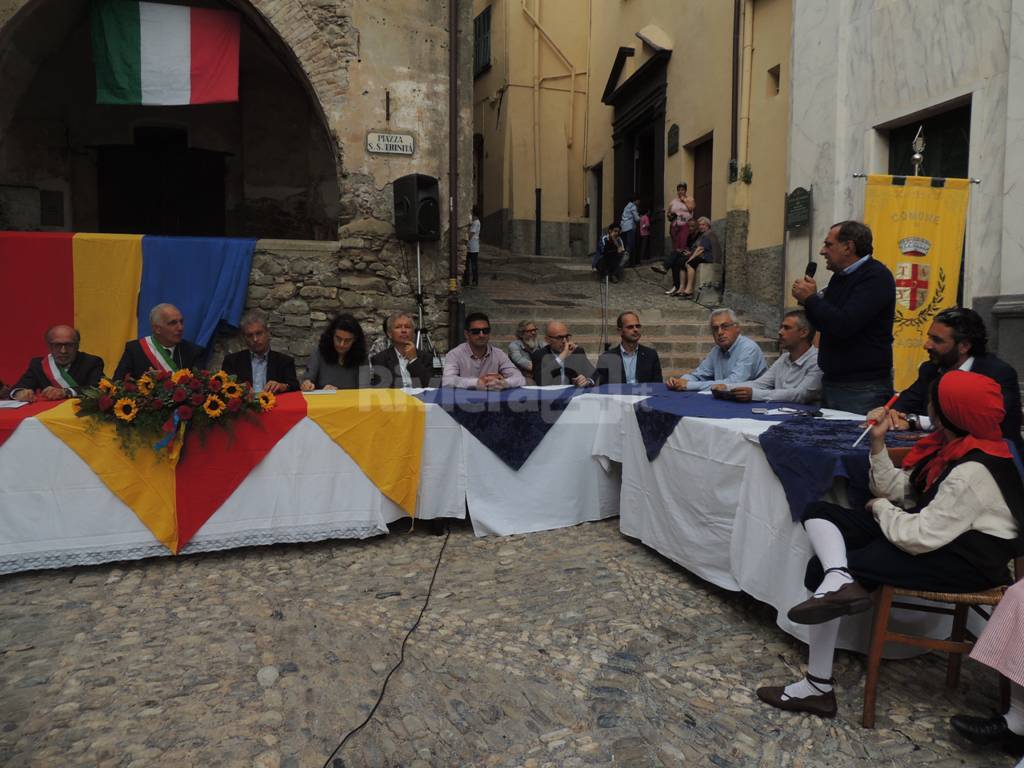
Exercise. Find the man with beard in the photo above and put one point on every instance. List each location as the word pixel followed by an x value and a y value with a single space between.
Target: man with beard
pixel 520 350
pixel 957 339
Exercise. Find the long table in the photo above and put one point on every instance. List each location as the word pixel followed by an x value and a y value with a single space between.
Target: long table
pixel 55 512
pixel 711 503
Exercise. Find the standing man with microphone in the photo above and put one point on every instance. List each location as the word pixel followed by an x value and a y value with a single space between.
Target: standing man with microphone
pixel 854 315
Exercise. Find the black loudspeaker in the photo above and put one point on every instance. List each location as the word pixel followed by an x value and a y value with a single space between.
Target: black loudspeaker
pixel 417 209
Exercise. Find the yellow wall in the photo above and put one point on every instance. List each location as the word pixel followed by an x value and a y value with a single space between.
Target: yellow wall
pixel 509 174
pixel 769 118
pixel 699 84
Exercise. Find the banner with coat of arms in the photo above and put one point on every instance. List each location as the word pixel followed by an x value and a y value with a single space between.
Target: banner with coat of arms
pixel 917 223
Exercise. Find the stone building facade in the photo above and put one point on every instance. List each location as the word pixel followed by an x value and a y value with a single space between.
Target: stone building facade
pixel 864 81
pixel 316 76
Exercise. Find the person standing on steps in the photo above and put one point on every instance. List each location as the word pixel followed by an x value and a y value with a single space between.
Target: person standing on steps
pixel 472 274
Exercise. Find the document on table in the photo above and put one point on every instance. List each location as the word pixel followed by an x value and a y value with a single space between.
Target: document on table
pixel 12 403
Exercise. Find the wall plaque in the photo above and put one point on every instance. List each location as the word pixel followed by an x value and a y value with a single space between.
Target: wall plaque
pixel 672 144
pixel 390 143
pixel 798 209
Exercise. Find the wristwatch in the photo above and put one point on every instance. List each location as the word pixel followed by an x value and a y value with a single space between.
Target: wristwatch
pixel 912 422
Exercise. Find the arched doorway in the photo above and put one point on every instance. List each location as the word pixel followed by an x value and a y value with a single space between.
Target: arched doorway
pixel 265 166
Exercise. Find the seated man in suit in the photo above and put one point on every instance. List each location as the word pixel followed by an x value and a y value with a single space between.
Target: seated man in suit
pixel 794 378
pixel 630 362
pixel 560 361
pixel 62 373
pixel 259 365
pixel 957 339
pixel 165 350
pixel 401 364
pixel 735 358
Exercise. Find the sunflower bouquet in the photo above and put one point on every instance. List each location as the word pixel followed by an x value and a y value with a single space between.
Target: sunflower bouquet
pixel 158 408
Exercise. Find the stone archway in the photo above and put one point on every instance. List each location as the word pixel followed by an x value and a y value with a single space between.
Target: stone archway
pixel 266 166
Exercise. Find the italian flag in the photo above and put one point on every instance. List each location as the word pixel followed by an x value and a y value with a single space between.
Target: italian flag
pixel 151 53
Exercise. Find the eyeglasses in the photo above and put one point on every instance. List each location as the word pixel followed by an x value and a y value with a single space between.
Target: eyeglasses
pixel 478 331
pixel 62 344
pixel 722 327
pixel 563 337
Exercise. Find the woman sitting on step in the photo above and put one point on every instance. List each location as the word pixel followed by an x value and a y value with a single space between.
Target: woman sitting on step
pixel 948 522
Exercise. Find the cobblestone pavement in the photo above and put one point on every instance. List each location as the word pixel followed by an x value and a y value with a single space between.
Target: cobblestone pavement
pixel 575 647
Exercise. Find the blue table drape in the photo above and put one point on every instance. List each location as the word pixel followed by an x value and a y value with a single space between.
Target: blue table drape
pixel 808 455
pixel 511 423
pixel 207 278
pixel 659 415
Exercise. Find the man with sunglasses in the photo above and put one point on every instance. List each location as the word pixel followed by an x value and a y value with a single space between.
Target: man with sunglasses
pixel 561 361
pixel 62 373
pixel 957 339
pixel 476 364
pixel 630 362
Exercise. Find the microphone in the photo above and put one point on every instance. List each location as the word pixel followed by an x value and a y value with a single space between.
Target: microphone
pixel 812 267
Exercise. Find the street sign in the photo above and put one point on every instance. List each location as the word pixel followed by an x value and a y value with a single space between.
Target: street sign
pixel 390 143
pixel 798 209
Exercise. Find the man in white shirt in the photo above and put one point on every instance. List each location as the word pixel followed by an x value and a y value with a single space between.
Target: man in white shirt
pixel 795 377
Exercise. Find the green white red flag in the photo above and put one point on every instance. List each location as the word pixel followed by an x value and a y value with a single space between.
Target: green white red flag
pixel 153 53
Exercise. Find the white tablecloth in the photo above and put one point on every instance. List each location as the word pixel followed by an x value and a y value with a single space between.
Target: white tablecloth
pixel 54 511
pixel 711 503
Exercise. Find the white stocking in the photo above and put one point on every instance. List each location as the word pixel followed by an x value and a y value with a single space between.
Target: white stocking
pixel 822 650
pixel 1015 717
pixel 830 547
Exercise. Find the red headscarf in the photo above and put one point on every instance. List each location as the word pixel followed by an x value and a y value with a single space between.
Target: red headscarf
pixel 974 404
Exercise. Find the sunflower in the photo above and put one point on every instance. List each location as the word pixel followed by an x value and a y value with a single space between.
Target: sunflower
pixel 213 406
pixel 145 385
pixel 232 390
pixel 267 401
pixel 177 376
pixel 222 377
pixel 126 409
pixel 107 386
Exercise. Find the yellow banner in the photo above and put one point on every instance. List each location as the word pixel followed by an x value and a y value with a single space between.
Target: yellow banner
pixel 382 431
pixel 107 273
pixel 917 224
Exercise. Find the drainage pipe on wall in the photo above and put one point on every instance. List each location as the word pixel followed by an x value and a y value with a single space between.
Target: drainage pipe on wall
pixel 453 174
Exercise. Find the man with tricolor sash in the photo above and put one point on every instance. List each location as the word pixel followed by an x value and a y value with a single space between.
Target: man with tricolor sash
pixel 63 373
pixel 165 350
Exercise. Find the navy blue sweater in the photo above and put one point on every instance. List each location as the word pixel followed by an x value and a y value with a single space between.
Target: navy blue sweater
pixel 855 320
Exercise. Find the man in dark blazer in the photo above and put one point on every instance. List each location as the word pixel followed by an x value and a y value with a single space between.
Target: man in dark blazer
pixel 165 349
pixel 401 364
pixel 957 339
pixel 63 373
pixel 630 362
pixel 260 366
pixel 560 361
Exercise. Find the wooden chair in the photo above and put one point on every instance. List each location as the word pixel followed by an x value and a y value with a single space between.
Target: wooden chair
pixel 960 641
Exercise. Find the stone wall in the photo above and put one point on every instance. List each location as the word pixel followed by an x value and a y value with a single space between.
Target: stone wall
pixel 753 279
pixel 300 285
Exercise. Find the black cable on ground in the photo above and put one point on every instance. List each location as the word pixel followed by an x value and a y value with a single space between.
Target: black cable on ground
pixel 401 654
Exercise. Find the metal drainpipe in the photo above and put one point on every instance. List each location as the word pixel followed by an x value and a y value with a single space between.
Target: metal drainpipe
pixel 733 132
pixel 453 173
pixel 536 129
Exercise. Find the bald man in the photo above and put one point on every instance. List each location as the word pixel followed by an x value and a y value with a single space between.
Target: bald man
pixel 60 374
pixel 164 350
pixel 561 361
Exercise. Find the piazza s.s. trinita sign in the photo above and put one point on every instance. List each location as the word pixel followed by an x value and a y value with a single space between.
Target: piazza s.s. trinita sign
pixel 380 143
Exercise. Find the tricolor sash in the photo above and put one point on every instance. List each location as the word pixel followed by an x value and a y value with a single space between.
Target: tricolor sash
pixel 157 355
pixel 58 376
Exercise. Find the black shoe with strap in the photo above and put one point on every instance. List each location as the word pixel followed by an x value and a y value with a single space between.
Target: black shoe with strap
pixel 823 704
pixel 849 599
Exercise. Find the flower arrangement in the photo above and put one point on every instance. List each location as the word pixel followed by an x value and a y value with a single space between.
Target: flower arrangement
pixel 158 408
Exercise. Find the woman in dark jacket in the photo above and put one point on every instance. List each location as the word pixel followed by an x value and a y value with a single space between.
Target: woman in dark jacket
pixel 339 361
